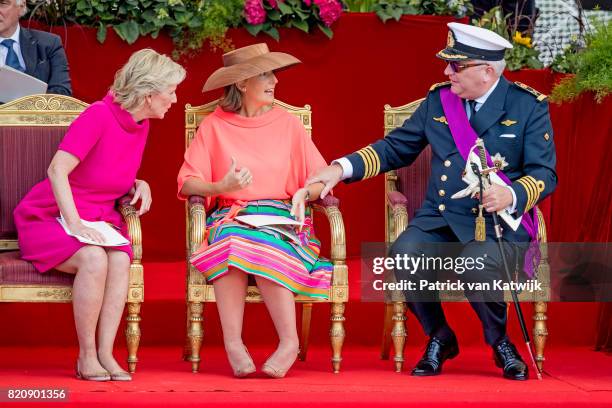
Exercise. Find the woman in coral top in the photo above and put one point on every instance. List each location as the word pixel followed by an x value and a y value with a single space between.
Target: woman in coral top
pixel 249 157
pixel 95 165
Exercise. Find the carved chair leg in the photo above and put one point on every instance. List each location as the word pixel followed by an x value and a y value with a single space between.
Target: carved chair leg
pixel 306 316
pixel 399 334
pixel 196 333
pixel 132 334
pixel 386 336
pixel 540 332
pixel 337 334
pixel 187 345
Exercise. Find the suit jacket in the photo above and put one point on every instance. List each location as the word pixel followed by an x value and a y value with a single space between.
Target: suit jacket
pixel 515 125
pixel 45 59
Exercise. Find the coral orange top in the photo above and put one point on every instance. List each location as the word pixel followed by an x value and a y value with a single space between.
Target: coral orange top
pixel 274 147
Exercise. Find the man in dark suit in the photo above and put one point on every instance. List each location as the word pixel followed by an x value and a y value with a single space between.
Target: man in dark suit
pixel 514 123
pixel 37 53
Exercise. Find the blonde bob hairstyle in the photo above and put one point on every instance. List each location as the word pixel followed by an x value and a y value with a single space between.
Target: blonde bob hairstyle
pixel 145 73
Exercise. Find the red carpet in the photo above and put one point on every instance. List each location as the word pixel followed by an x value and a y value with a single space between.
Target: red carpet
pixel 574 377
pixel 38 349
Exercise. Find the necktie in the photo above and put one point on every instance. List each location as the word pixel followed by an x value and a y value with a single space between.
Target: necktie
pixel 11 57
pixel 472 105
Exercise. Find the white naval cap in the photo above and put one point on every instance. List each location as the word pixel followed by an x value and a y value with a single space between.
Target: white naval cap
pixel 471 42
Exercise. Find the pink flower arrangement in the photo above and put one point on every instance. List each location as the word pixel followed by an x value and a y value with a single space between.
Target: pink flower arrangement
pixel 274 3
pixel 254 12
pixel 329 10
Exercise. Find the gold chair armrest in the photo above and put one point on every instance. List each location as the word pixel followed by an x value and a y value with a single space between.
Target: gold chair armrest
pixel 396 204
pixel 339 292
pixel 336 226
pixel 196 225
pixel 132 219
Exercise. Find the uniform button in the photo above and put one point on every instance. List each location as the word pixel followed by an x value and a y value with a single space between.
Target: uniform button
pixel 474 210
pixel 447 163
pixel 442 193
pixel 441 207
pixel 443 177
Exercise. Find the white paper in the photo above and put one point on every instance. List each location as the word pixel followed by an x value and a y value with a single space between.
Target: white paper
pixel 16 84
pixel 111 236
pixel 291 235
pixel 260 220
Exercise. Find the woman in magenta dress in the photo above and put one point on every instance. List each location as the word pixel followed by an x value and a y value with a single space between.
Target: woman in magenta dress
pixel 96 164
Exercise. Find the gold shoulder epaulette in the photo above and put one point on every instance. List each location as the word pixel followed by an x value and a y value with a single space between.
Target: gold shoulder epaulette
pixel 539 96
pixel 439 85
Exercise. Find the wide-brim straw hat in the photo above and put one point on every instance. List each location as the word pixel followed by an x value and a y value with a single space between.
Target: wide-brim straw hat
pixel 247 62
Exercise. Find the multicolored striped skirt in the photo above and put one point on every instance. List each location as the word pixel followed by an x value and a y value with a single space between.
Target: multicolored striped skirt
pixel 292 262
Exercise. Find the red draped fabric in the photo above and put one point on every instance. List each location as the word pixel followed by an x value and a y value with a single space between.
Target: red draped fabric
pixel 347 81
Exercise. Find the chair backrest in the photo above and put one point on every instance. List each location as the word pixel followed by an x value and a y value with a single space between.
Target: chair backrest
pixel 412 180
pixel 194 115
pixel 31 128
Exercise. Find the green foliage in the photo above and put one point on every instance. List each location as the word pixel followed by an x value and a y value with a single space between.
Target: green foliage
pixel 217 16
pixel 395 9
pixel 567 61
pixel 522 55
pixel 361 6
pixel 593 67
pixel 387 9
pixel 495 21
pixel 189 22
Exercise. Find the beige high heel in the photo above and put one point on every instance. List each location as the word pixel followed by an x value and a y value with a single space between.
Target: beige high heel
pixel 121 376
pixel 275 372
pixel 249 368
pixel 101 376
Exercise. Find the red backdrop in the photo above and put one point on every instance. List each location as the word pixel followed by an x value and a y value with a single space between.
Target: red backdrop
pixel 347 81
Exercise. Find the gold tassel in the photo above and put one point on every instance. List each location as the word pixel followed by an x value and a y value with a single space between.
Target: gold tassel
pixel 481 232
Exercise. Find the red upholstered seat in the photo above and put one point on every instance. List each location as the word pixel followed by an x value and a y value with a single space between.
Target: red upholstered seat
pixel 14 270
pixel 25 154
pixel 412 181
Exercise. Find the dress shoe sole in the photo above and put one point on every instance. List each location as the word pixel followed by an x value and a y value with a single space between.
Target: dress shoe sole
pixel 521 378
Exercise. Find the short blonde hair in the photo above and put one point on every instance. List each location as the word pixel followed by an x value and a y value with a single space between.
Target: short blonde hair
pixel 145 73
pixel 232 99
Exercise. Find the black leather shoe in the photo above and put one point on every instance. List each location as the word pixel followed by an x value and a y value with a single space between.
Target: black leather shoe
pixel 507 358
pixel 435 354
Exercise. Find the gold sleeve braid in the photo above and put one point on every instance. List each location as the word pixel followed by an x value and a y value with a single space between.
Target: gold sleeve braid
pixel 371 161
pixel 533 188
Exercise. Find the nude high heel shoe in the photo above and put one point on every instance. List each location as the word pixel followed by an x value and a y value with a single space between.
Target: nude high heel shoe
pixel 101 376
pixel 248 368
pixel 277 372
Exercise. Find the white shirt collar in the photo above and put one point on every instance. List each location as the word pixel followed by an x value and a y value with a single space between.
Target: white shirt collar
pixel 14 37
pixel 484 97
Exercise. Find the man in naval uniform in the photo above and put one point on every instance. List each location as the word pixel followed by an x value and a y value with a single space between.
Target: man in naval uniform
pixel 513 121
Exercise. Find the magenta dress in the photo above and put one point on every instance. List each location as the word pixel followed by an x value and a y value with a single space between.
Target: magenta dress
pixel 109 144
